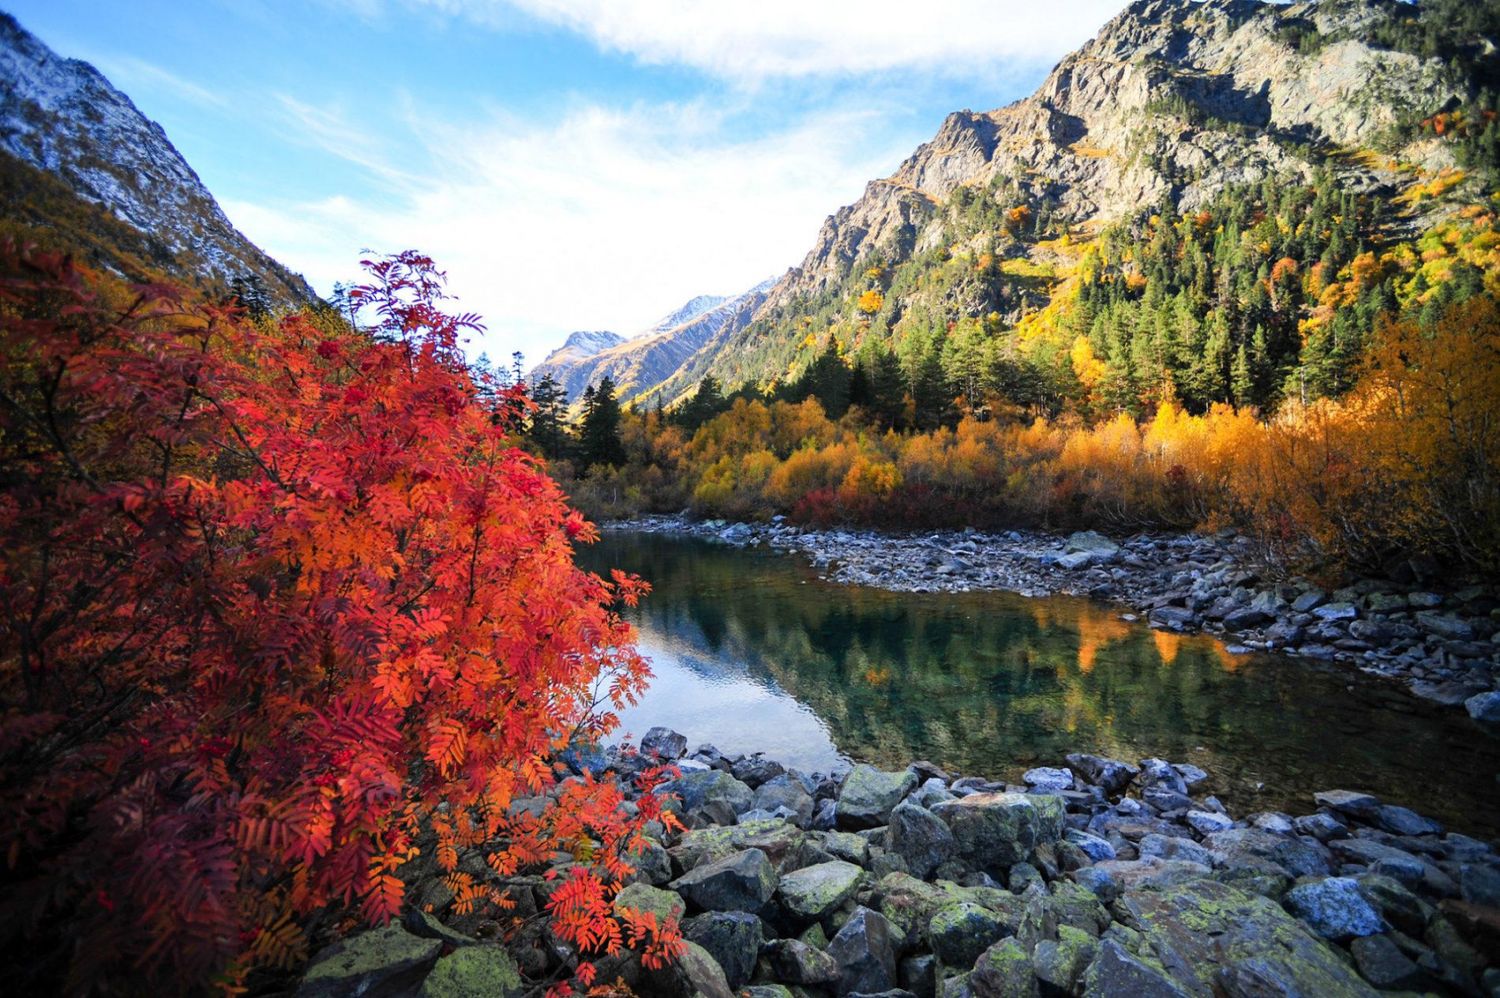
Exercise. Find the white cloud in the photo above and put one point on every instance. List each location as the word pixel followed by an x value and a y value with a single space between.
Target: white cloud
pixel 797 38
pixel 138 75
pixel 602 219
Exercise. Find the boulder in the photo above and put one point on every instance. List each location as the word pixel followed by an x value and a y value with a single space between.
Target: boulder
pixel 1335 908
pixel 961 930
pixel 1484 707
pixel 1059 964
pixel 643 897
pixel 732 938
pixel 708 786
pixel 384 960
pixel 474 972
pixel 1208 822
pixel 1003 971
pixel 813 892
pixel 1215 939
pixel 1045 778
pixel 1093 543
pixel 1336 611
pixel 664 744
pixel 865 950
pixel 1445 626
pixel 993 831
pixel 755 770
pixel 779 839
pixel 1381 962
pixel 798 963
pixel 921 838
pixel 742 881
pixel 1115 972
pixel 868 796
pixel 785 791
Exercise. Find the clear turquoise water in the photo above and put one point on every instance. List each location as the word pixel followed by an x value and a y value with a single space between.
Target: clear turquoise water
pixel 752 652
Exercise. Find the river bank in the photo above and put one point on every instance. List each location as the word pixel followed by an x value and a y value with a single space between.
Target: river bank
pixel 1444 646
pixel 1094 876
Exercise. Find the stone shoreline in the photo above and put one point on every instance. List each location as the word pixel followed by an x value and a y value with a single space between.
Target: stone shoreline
pixel 1445 647
pixel 1097 877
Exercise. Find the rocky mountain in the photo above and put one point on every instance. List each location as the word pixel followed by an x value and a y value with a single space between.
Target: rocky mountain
pixel 640 364
pixel 63 117
pixel 1174 101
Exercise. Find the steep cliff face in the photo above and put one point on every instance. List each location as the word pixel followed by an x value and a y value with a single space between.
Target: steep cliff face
pixel 640 364
pixel 1174 98
pixel 62 116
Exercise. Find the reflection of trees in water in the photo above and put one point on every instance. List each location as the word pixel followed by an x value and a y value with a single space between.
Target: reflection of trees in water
pixel 992 683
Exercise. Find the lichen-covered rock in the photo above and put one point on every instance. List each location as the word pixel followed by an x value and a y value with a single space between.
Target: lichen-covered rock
pixel 474 972
pixel 993 831
pixel 742 881
pixel 962 930
pixel 869 794
pixel 732 938
pixel 644 897
pixel 779 839
pixel 378 960
pixel 811 893
pixel 1115 973
pixel 865 950
pixel 920 837
pixel 1003 971
pixel 1204 933
pixel 697 789
pixel 1060 963
pixel 798 963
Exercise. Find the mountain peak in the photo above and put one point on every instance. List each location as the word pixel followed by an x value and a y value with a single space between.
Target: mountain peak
pixel 63 116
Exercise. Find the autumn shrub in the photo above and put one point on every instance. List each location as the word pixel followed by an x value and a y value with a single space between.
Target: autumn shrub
pixel 280 606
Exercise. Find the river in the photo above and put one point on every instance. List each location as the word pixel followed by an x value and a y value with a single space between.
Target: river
pixel 753 652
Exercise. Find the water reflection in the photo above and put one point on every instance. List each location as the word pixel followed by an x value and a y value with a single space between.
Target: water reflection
pixel 753 652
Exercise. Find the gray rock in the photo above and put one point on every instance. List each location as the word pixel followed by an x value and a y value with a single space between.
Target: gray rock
pixel 384 960
pixel 869 794
pixel 1116 972
pixel 1309 601
pixel 1404 821
pixel 1003 971
pixel 1112 775
pixel 1445 626
pixel 742 881
pixel 865 950
pixel 1321 826
pixel 653 865
pixel 1093 846
pixel 1092 542
pixel 732 938
pixel 785 791
pixel 644 897
pixel 1173 618
pixel 962 930
pixel 1484 707
pixel 1245 618
pixel 1256 848
pixel 1045 778
pixel 1171 847
pixel 1336 611
pixel 993 831
pixel 811 893
pixel 1350 802
pixel 1215 939
pixel 1381 962
pixel 1161 774
pixel 798 963
pixel 1208 822
pixel 1074 560
pixel 755 770
pixel 664 744
pixel 1335 908
pixel 921 838
pixel 1480 884
pixel 698 789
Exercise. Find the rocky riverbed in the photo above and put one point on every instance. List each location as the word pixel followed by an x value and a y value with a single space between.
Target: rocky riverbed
pixel 1445 646
pixel 1093 877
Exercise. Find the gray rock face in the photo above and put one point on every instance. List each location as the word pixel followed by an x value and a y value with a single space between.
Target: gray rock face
pixel 744 881
pixel 732 938
pixel 869 794
pixel 865 950
pixel 921 838
pixel 1335 908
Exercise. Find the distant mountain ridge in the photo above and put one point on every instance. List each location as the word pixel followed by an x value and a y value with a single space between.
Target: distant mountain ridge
pixel 64 117
pixel 638 365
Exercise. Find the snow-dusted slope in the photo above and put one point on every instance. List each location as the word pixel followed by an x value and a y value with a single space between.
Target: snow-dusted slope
pixel 63 116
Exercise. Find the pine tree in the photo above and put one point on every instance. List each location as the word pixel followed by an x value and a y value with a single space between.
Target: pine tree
pixel 599 436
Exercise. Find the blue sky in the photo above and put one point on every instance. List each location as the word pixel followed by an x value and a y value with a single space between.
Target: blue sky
pixel 573 164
